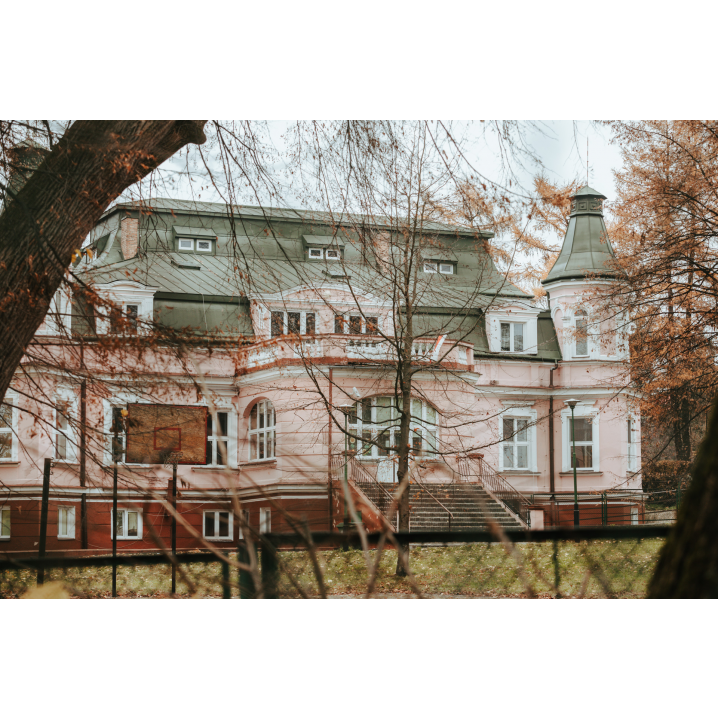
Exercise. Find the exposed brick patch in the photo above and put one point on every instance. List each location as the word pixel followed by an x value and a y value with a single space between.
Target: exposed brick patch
pixel 130 237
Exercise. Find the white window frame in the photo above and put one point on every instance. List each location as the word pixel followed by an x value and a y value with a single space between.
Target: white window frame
pixel 302 321
pixel 265 521
pixel 123 293
pixel 512 335
pixel 124 512
pixel 216 513
pixel 443 268
pixel 581 315
pixel 313 253
pixel 70 529
pixel 11 429
pixel 215 438
pixel 420 427
pixel 362 318
pixel 582 411
pixel 8 536
pixel 336 255
pixel 520 411
pixel 269 411
pixel 208 241
pixel 68 398
pixel 431 267
pixel 185 249
pixel 512 314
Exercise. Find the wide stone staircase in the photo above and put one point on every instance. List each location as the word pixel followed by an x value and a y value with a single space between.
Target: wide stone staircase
pixel 463 505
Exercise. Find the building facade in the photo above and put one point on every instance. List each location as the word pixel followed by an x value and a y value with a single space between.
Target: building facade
pixel 281 322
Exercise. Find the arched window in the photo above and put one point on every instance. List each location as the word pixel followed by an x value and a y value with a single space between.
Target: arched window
pixel 581 333
pixel 262 437
pixel 377 420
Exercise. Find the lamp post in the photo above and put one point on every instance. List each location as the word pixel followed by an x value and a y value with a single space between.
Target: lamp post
pixel 346 408
pixel 572 404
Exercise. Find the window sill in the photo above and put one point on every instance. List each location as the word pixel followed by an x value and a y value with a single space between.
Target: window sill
pixel 215 468
pixel 5 538
pixel 581 472
pixel 218 540
pixel 67 538
pixel 9 463
pixel 260 462
pixel 65 462
pixel 523 472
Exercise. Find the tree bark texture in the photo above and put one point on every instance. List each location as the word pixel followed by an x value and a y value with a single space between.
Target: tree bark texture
pixel 51 215
pixel 688 564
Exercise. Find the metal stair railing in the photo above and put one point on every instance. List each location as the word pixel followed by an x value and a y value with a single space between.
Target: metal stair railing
pixel 474 467
pixel 426 488
pixel 363 479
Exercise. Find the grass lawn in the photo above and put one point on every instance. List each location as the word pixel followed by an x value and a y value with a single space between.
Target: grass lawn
pixel 623 567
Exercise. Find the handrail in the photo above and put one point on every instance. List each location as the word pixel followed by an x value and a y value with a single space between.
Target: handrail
pixel 426 488
pixel 361 477
pixel 496 485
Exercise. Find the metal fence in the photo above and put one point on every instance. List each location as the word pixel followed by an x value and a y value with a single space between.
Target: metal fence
pixel 612 562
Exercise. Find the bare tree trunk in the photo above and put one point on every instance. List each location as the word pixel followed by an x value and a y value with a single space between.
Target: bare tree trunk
pixel 688 564
pixel 48 219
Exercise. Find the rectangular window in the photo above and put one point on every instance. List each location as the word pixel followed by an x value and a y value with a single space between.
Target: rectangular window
pixel 355 325
pixel 132 311
pixel 6 433
pixel 316 253
pixel 512 337
pixel 277 324
pixel 515 442
pixel 244 524
pixel 66 522
pixel 204 245
pixel 217 439
pixel 265 521
pixel 583 436
pixel 128 524
pixel 446 268
pixel 334 254
pixel 5 523
pixel 294 320
pixel 218 525
pixel 186 245
pixel 338 324
pixel 119 424
pixel 372 325
pixel 62 429
pixel 581 337
pixel 311 323
pixel 430 268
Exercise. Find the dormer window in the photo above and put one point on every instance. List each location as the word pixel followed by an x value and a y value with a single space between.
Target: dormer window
pixel 186 245
pixel 512 336
pixel 316 253
pixel 435 266
pixel 204 245
pixel 333 254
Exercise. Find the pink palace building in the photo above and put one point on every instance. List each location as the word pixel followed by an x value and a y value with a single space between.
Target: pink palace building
pixel 277 321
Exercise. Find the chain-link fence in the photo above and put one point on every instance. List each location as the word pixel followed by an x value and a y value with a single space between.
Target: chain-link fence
pixel 613 562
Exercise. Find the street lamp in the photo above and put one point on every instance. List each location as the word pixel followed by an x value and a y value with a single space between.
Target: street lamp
pixel 572 404
pixel 346 408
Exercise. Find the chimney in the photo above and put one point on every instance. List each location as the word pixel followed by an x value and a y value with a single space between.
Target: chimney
pixel 130 237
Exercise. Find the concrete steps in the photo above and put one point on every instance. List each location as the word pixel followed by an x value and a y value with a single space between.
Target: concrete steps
pixel 470 505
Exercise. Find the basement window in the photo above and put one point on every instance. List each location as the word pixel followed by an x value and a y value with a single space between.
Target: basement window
pixel 5 523
pixel 218 525
pixel 66 522
pixel 128 524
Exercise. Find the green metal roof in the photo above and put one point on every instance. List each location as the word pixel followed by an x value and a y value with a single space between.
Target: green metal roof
pixel 586 249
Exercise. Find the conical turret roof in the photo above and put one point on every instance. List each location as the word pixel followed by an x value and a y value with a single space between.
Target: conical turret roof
pixel 586 248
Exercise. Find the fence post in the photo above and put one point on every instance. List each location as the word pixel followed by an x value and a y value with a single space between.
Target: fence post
pixel 226 587
pixel 246 585
pixel 270 568
pixel 43 518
